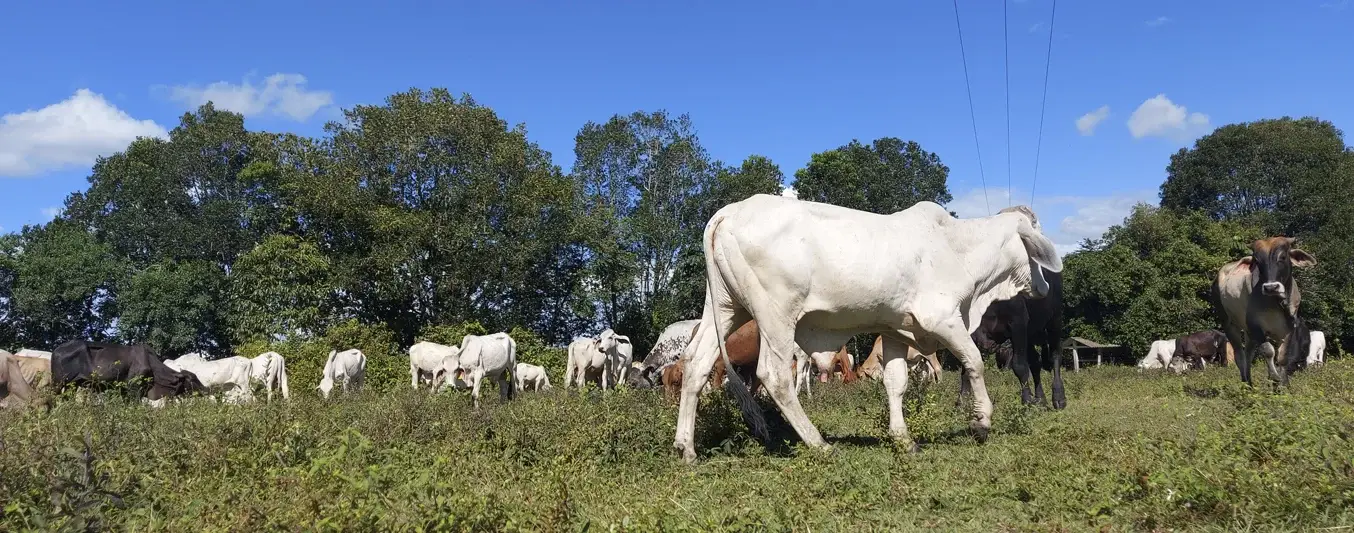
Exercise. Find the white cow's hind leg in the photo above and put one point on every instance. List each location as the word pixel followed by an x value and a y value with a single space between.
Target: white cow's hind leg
pixel 894 361
pixel 955 336
pixel 773 368
pixel 699 358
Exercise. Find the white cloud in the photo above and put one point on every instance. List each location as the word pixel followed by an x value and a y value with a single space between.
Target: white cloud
pixel 1036 27
pixel 980 202
pixel 1335 5
pixel 1091 215
pixel 1158 116
pixel 281 95
pixel 1157 22
pixel 1087 123
pixel 789 192
pixel 70 133
pixel 51 212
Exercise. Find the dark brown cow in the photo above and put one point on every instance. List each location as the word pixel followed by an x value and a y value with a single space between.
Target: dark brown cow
pixel 98 366
pixel 1256 299
pixel 1202 346
pixel 1027 323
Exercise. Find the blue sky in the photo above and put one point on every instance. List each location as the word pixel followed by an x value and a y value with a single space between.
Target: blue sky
pixel 1130 83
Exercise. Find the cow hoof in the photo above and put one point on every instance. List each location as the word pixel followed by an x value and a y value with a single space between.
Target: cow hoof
pixel 1059 403
pixel 979 432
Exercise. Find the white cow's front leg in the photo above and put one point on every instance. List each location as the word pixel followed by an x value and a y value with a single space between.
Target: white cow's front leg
pixel 955 336
pixel 894 361
pixel 477 375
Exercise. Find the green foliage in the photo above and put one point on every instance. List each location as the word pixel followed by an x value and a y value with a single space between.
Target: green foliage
pixel 887 176
pixel 167 304
pixel 280 288
pixel 451 334
pixel 64 285
pixel 1210 455
pixel 387 367
pixel 531 349
pixel 1149 278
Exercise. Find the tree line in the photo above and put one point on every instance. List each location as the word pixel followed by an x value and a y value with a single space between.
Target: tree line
pixel 429 212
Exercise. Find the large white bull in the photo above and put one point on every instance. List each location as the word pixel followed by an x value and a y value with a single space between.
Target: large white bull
pixel 348 368
pixel 814 275
pixel 483 356
pixel 270 368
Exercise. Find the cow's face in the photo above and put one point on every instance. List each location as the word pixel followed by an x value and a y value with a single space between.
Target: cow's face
pixel 607 341
pixel 326 385
pixel 1273 260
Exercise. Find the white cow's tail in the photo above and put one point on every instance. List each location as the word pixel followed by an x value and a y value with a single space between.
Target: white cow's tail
pixel 752 413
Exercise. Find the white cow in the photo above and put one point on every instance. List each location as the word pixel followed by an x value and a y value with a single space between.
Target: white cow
pixel 813 275
pixel 621 356
pixel 26 352
pixel 1316 355
pixel 230 373
pixel 270 368
pixel 429 358
pixel 348 367
pixel 531 377
pixel 594 354
pixel 484 356
pixel 1159 355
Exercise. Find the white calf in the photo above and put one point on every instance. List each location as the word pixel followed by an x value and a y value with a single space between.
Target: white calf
pixel 348 367
pixel 1159 356
pixel 429 358
pixel 1316 355
pixel 531 377
pixel 270 369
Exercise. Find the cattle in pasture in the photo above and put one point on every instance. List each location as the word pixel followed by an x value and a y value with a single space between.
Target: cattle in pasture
pixel 1034 328
pixel 429 359
pixel 100 366
pixel 597 357
pixel 15 389
pixel 232 374
pixel 531 377
pixel 1316 355
pixel 270 368
pixel 813 275
pixel 624 358
pixel 667 349
pixel 1197 349
pixel 1256 299
pixel 348 368
pixel 1159 355
pixel 484 356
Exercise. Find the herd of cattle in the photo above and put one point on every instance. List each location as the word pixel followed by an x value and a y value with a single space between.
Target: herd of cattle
pixel 789 283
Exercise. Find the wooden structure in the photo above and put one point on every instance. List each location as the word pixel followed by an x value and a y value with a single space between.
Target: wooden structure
pixel 1079 344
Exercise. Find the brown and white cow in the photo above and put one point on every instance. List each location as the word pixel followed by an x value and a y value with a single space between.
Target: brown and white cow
pixel 1256 299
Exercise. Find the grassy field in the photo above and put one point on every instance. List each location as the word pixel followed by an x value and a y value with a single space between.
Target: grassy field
pixel 1132 451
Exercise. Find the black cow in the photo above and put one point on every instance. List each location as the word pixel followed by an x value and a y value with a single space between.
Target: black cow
pixel 98 366
pixel 1027 323
pixel 1256 300
pixel 1201 346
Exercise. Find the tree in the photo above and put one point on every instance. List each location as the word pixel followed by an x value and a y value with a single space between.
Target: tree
pixel 280 289
pixel 885 177
pixel 175 307
pixel 642 177
pixel 64 285
pixel 1150 277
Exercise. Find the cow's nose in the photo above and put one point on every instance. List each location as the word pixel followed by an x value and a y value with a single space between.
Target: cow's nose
pixel 1272 288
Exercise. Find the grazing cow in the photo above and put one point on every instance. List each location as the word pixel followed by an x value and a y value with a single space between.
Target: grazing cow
pixel 927 365
pixel 667 349
pixel 1316 356
pixel 622 356
pixel 348 367
pixel 15 389
pixel 531 377
pixel 1256 299
pixel 429 358
pixel 270 368
pixel 231 373
pixel 484 356
pixel 98 365
pixel 813 275
pixel 671 377
pixel 1159 355
pixel 37 354
pixel 596 356
pixel 1028 323
pixel 1198 348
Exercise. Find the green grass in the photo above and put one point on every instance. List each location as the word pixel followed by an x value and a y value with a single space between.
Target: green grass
pixel 1132 451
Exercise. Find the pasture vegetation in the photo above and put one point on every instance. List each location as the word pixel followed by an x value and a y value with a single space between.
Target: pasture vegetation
pixel 1133 451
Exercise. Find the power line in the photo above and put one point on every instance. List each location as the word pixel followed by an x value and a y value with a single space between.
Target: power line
pixel 1039 143
pixel 1006 49
pixel 973 116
